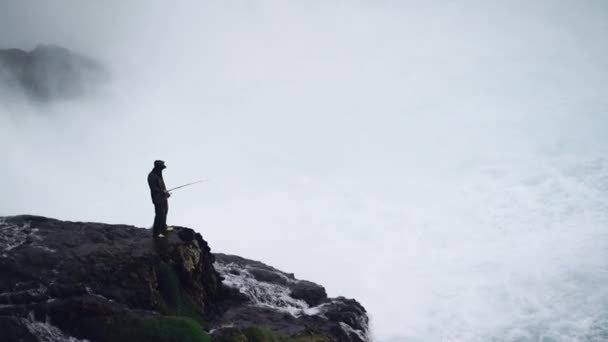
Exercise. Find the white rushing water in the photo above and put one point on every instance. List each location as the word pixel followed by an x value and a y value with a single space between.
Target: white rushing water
pixel 265 294
pixel 46 332
pixel 443 162
pixel 277 295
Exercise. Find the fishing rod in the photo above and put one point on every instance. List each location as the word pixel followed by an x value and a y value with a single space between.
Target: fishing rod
pixel 188 184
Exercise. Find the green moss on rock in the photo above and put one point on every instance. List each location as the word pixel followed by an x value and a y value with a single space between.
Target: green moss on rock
pixel 314 338
pixel 173 301
pixel 256 333
pixel 260 334
pixel 156 329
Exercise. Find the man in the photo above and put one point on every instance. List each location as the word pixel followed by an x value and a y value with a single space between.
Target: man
pixel 159 198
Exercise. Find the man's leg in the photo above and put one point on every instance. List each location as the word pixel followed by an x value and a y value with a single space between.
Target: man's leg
pixel 160 217
pixel 163 218
pixel 167 228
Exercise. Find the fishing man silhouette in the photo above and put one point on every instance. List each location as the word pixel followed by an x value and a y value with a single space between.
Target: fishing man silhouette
pixel 160 196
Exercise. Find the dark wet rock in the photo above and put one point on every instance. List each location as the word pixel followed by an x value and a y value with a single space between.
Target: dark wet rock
pixel 67 272
pixel 309 292
pixel 286 305
pixel 186 234
pixel 89 280
pixel 268 276
pixel 15 329
pixel 50 72
pixel 348 311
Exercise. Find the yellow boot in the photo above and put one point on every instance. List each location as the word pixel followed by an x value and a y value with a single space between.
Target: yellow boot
pixel 170 228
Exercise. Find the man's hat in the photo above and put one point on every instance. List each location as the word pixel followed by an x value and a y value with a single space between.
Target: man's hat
pixel 159 163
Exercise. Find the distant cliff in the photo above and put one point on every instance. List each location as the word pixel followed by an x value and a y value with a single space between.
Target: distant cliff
pixel 71 281
pixel 49 72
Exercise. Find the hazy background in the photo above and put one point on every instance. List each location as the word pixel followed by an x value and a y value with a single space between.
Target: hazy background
pixel 444 162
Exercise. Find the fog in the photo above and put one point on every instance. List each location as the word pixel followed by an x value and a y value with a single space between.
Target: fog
pixel 443 162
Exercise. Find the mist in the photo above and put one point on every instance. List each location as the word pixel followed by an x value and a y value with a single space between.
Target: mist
pixel 443 162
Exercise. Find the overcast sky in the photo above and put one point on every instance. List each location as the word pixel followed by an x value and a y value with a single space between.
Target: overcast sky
pixel 441 161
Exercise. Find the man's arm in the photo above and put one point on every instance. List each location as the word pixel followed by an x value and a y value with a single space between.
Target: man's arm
pixel 155 184
pixel 163 187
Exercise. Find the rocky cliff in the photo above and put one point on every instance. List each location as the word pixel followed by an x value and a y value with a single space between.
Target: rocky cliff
pixel 73 281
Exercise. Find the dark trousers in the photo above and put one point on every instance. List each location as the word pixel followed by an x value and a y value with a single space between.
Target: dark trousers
pixel 160 218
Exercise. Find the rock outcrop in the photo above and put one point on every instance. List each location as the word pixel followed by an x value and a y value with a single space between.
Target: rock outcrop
pixel 49 72
pixel 70 281
pixel 286 305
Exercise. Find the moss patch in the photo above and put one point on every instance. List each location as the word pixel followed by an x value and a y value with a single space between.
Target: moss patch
pixel 256 333
pixel 308 339
pixel 180 320
pixel 173 301
pixel 156 329
pixel 260 334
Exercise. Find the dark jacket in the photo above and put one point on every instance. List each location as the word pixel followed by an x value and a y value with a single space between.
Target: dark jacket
pixel 158 191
